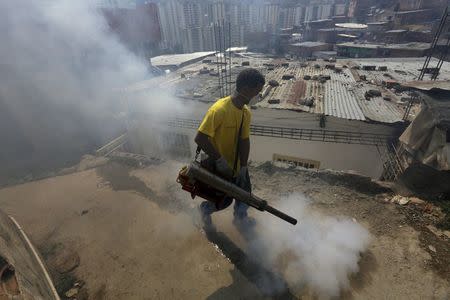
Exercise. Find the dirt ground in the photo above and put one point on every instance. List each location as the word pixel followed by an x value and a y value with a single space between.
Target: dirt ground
pixel 121 232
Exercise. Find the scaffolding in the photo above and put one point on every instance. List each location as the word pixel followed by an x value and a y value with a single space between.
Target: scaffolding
pixel 443 29
pixel 222 44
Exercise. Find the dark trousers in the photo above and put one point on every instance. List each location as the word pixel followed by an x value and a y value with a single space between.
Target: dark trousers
pixel 240 208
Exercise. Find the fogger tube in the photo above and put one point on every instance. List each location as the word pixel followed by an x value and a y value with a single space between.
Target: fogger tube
pixel 232 190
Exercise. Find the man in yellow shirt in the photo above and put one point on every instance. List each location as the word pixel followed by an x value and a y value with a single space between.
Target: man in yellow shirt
pixel 218 136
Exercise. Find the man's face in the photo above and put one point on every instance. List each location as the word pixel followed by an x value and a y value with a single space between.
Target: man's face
pixel 251 92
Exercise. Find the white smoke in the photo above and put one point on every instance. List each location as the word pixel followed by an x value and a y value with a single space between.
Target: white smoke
pixel 61 73
pixel 322 251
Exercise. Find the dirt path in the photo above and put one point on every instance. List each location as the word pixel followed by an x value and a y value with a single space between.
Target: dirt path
pixel 132 234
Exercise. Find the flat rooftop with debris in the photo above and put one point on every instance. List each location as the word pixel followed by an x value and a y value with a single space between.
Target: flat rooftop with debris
pixel 352 89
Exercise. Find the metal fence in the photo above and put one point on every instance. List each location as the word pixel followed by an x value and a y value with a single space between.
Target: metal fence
pixel 320 135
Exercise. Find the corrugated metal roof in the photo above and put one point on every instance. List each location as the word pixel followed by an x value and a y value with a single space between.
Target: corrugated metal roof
pixel 341 102
pixel 377 109
pixel 409 67
pixel 178 59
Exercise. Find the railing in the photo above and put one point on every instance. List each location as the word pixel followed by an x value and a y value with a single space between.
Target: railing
pixel 112 145
pixel 329 136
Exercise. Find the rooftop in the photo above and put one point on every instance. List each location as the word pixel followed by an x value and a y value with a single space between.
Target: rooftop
pixel 178 59
pixel 237 49
pixel 332 29
pixel 418 46
pixel 320 21
pixel 377 23
pixel 428 85
pixel 344 35
pixel 341 96
pixel 351 25
pixel 308 44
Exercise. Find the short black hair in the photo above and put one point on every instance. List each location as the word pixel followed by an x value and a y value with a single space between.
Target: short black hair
pixel 249 78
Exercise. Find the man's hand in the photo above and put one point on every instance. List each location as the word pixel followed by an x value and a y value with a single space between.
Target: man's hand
pixel 242 179
pixel 223 169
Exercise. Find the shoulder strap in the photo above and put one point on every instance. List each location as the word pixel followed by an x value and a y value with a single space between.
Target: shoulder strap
pixel 238 142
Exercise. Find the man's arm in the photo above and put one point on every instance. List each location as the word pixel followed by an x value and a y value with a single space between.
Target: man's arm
pixel 202 140
pixel 221 165
pixel 244 152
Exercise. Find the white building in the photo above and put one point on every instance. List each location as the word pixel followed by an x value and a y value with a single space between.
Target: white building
pixel 256 17
pixel 171 22
pixel 271 14
pixel 189 24
pixel 299 17
pixel 192 39
pixel 287 17
pixel 217 11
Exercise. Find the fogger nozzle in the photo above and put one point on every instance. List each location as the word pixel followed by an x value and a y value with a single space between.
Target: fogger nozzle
pixel 194 172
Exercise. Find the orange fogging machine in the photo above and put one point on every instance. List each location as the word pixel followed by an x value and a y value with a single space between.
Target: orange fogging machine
pixel 199 181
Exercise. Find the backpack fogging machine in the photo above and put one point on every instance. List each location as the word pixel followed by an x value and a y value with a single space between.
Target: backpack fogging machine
pixel 199 181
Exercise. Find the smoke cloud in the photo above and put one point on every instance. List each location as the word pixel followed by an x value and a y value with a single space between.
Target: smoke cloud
pixel 320 252
pixel 61 71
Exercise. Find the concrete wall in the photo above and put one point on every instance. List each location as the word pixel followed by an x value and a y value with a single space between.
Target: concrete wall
pixel 360 158
pixel 150 140
pixel 307 51
pixel 365 52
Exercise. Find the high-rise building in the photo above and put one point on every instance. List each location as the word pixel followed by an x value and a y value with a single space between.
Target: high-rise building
pixel 287 17
pixel 208 38
pixel 217 11
pixel 171 23
pixel 319 10
pixel 299 16
pixel 256 17
pixel 189 24
pixel 197 24
pixel 193 39
pixel 271 14
pixel 358 9
pixel 192 14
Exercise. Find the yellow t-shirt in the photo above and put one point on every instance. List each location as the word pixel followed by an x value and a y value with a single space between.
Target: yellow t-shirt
pixel 221 124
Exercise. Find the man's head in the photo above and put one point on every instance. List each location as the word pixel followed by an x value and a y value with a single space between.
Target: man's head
pixel 249 83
